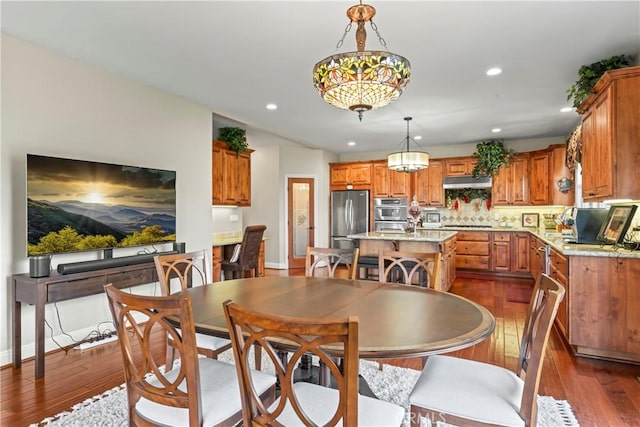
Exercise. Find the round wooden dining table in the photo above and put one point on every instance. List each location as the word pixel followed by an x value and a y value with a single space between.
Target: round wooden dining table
pixel 396 320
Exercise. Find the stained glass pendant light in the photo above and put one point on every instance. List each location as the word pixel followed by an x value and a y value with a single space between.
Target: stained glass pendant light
pixel 363 80
pixel 408 161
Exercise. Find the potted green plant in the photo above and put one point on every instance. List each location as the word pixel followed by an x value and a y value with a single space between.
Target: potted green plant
pixel 235 138
pixel 588 75
pixel 491 155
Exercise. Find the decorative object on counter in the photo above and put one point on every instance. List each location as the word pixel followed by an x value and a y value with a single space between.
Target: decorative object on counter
pixel 549 221
pixel 235 138
pixel 416 212
pixel 408 161
pixel 432 218
pixel 363 80
pixel 614 228
pixel 588 75
pixel 564 184
pixel 573 154
pixel 491 155
pixel 530 220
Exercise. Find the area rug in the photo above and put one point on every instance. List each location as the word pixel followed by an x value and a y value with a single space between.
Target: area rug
pixel 518 293
pixel 392 384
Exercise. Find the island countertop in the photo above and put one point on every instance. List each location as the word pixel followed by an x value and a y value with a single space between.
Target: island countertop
pixel 420 236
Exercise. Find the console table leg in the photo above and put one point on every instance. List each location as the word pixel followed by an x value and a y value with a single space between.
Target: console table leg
pixel 39 338
pixel 17 330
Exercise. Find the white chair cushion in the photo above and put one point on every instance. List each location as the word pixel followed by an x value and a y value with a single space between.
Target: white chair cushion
pixel 219 390
pixel 473 390
pixel 208 341
pixel 321 402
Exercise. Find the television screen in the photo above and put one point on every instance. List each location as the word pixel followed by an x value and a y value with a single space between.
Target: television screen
pixel 616 224
pixel 77 205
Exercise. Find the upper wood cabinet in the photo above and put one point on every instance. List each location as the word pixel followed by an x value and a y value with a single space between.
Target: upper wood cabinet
pixel 427 184
pixel 511 184
pixel 610 135
pixel 539 177
pixel 231 176
pixel 389 183
pixel 458 166
pixel 356 174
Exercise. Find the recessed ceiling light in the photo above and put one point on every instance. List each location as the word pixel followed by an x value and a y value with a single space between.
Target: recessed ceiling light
pixel 417 137
pixel 272 107
pixel 351 143
pixel 566 109
pixel 493 71
pixel 496 130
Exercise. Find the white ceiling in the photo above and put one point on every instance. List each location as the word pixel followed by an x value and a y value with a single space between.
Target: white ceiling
pixel 237 56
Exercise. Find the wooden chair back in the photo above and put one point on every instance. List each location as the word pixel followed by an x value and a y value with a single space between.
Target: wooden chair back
pixel 545 300
pixel 136 318
pixel 325 261
pixel 188 268
pixel 409 267
pixel 299 337
pixel 250 248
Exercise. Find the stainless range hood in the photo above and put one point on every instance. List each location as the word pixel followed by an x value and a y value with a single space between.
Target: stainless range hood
pixel 466 182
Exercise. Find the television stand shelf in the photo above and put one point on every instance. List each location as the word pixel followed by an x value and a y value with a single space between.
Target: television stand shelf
pixel 61 287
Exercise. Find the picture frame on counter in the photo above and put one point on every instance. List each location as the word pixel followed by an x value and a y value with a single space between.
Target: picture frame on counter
pixel 530 220
pixel 615 226
pixel 432 217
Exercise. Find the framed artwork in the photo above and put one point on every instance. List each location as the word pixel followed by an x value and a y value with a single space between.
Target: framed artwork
pixel 530 220
pixel 616 224
pixel 432 217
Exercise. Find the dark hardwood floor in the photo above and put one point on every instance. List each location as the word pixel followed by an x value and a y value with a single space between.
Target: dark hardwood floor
pixel 601 393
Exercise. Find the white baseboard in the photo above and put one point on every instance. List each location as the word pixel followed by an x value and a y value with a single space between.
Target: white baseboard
pixel 275 265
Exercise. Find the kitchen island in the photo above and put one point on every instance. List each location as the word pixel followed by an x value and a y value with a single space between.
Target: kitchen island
pixel 443 241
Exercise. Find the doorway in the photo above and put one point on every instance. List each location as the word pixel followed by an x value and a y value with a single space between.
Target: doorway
pixel 300 219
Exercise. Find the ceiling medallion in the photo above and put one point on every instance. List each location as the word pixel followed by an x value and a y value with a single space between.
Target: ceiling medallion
pixel 363 80
pixel 408 161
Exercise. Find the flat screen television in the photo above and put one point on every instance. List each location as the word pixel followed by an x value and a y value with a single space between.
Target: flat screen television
pixel 615 226
pixel 79 205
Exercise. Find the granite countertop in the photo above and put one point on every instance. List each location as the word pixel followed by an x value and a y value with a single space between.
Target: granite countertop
pixel 573 249
pixel 228 238
pixel 430 235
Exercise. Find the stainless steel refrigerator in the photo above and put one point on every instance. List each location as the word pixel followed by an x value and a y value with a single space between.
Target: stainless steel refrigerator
pixel 349 215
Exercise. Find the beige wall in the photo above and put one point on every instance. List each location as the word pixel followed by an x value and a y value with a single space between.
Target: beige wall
pixel 54 105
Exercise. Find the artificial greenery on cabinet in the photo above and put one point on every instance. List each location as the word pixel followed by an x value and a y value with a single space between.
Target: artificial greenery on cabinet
pixel 491 155
pixel 588 76
pixel 235 138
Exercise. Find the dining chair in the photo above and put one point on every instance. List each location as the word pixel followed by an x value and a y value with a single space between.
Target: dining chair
pixel 326 261
pixel 466 392
pixel 187 268
pixel 409 267
pixel 248 254
pixel 196 392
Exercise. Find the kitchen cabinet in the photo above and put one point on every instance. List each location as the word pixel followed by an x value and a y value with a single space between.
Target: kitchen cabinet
pixel 448 268
pixel 427 184
pixel 389 183
pixel 558 170
pixel 501 251
pixel 220 252
pixel 355 174
pixel 539 177
pixel 610 135
pixel 520 260
pixel 511 184
pixel 559 270
pixel 459 166
pixel 231 176
pixel 536 256
pixel 472 250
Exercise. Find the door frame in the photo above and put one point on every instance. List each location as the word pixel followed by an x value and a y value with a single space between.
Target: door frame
pixel 285 220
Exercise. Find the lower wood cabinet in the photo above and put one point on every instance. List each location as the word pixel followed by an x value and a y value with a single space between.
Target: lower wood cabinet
pixel 559 270
pixel 501 251
pixel 472 250
pixel 504 252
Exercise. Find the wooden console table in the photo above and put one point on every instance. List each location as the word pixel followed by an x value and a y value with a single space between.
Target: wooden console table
pixel 57 287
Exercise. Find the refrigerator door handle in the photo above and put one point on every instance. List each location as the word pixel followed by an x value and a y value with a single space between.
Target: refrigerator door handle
pixel 350 216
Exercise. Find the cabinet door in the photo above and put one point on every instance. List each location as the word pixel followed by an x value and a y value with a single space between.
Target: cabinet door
pixel 243 171
pixel 360 174
pixel 589 154
pixel 539 179
pixel 519 182
pixel 216 264
pixel 399 184
pixel 380 179
pixel 339 175
pixel 436 192
pixel 499 187
pixel 603 177
pixel 558 170
pixel 217 176
pixel 230 178
pixel 520 247
pixel 501 251
pixel 458 167
pixel 421 185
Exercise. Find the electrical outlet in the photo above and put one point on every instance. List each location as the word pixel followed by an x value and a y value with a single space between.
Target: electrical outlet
pixel 233 218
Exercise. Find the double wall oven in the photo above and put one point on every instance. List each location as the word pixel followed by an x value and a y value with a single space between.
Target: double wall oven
pixel 390 214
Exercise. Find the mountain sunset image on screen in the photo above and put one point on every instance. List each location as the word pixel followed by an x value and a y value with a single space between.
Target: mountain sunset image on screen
pixel 77 205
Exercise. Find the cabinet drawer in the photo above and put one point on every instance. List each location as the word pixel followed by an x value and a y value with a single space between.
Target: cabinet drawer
pixel 473 235
pixel 501 237
pixel 472 262
pixel 131 278
pixel 473 248
pixel 559 263
pixel 449 246
pixel 76 288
